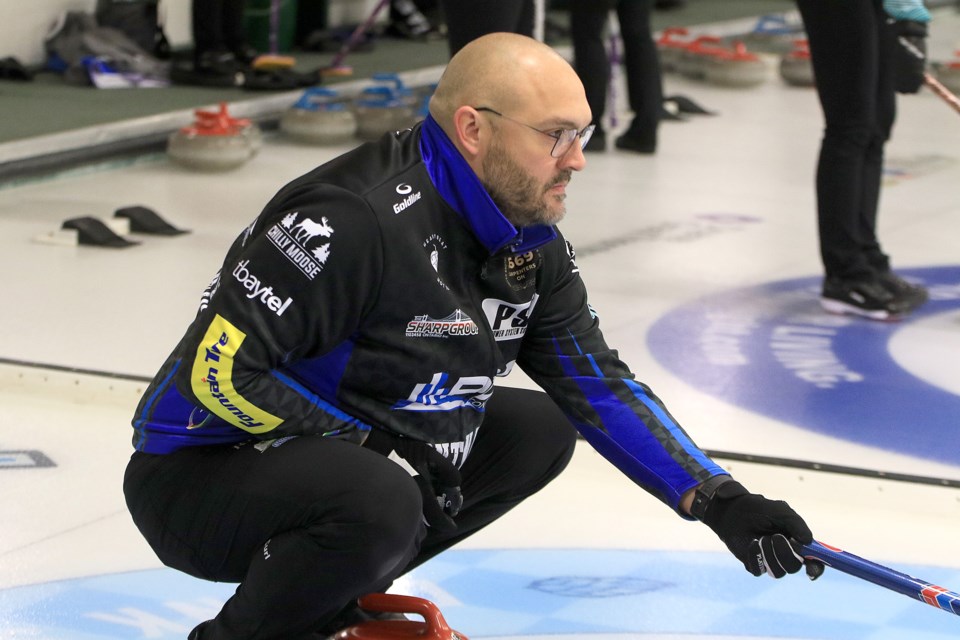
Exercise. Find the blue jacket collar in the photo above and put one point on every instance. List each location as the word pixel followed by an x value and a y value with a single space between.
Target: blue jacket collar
pixel 459 186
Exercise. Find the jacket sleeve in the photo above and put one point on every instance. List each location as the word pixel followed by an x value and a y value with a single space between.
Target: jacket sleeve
pixel 565 353
pixel 294 287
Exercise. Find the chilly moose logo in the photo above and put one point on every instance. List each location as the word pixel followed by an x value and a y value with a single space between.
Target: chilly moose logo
pixel 297 241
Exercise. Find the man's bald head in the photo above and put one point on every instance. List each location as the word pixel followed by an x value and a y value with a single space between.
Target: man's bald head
pixel 506 71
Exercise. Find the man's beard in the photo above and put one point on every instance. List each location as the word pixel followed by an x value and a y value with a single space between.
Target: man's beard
pixel 518 196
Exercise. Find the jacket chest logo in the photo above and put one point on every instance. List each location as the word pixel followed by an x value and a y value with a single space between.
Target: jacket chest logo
pixel 436 249
pixel 456 324
pixel 520 269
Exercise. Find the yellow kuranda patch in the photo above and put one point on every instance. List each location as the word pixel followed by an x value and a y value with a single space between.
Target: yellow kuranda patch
pixel 212 379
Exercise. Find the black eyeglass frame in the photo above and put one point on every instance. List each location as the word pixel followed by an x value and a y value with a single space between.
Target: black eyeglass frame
pixel 563 138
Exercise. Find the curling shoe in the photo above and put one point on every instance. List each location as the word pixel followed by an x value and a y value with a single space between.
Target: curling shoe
pixel 865 298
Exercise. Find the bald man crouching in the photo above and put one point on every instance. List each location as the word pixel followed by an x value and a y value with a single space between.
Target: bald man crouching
pixel 329 419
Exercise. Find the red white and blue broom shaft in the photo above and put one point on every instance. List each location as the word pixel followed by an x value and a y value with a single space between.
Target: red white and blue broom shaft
pixel 883 576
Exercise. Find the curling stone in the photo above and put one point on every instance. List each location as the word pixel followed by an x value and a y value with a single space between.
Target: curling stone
pixel 215 142
pixel 737 68
pixel 948 73
pixel 401 91
pixel 378 110
pixel 795 67
pixel 669 48
pixel 695 57
pixel 433 627
pixel 771 34
pixel 320 116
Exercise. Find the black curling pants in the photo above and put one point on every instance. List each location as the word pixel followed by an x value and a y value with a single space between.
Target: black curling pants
pixel 850 48
pixel 467 20
pixel 640 61
pixel 309 525
pixel 218 25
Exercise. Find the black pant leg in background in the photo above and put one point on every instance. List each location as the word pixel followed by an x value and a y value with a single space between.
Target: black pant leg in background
pixel 849 48
pixel 641 64
pixel 467 20
pixel 588 19
pixel 218 25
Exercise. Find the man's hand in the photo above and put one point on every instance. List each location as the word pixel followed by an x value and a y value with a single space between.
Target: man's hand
pixel 438 479
pixel 909 55
pixel 763 534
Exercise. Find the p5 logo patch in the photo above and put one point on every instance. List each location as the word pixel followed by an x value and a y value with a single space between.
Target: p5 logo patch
pixel 507 320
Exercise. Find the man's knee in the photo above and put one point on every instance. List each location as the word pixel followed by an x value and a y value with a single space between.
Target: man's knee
pixel 380 521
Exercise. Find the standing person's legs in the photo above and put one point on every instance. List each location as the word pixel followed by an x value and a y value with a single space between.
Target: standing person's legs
pixel 587 21
pixel 467 20
pixel 234 33
pixel 886 101
pixel 844 47
pixel 305 526
pixel 644 81
pixel 524 443
pixel 207 25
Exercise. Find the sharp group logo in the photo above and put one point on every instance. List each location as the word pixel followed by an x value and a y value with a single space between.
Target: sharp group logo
pixel 409 199
pixel 297 241
pixel 456 324
pixel 508 320
pixel 258 290
pixel 440 394
pixel 772 349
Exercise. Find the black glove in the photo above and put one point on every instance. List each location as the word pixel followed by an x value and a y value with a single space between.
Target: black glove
pixel 439 481
pixel 764 535
pixel 909 55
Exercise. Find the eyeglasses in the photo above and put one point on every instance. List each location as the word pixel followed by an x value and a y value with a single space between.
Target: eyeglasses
pixel 563 138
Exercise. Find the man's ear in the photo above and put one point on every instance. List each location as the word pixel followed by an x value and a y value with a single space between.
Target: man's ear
pixel 469 131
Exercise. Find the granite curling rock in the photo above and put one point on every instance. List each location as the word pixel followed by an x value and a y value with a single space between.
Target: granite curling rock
pixel 771 34
pixel 320 117
pixel 696 56
pixel 796 67
pixel 670 48
pixel 737 68
pixel 216 141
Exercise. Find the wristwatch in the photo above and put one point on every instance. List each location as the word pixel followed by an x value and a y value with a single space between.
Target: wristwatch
pixel 705 493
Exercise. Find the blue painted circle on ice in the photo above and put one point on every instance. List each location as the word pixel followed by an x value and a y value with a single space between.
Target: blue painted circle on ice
pixel 773 350
pixel 602 594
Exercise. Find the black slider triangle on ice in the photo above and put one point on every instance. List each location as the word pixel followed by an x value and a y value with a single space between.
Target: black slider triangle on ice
pixel 145 220
pixel 93 231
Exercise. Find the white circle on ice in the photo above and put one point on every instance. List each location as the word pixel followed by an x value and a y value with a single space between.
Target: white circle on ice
pixel 923 348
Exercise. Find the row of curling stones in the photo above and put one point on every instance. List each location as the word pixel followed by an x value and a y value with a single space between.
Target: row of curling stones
pixel 729 63
pixel 707 58
pixel 216 141
pixel 321 116
pixel 433 627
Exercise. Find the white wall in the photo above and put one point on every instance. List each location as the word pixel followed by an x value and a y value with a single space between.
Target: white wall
pixel 26 22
